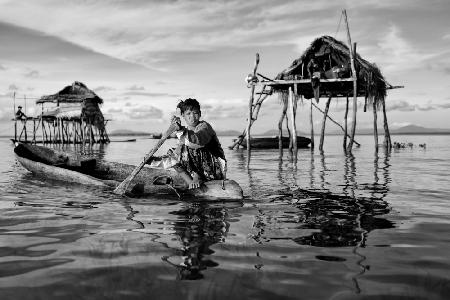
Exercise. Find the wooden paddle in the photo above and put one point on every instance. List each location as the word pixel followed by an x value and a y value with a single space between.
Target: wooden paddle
pixel 122 188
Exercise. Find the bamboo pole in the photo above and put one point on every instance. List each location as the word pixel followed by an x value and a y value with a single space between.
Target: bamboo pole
pixel 25 130
pixel 312 125
pixel 345 125
pixel 355 104
pixel 294 108
pixel 352 50
pixel 250 110
pixel 33 140
pixel 42 124
pixel 324 120
pixel 280 126
pixel 387 136
pixel 375 128
pixel 293 123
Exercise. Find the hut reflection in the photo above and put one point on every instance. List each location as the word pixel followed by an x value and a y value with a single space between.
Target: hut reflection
pixel 199 226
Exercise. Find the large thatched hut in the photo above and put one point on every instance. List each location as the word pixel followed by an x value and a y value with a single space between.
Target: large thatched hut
pixel 329 69
pixel 74 115
pixel 333 59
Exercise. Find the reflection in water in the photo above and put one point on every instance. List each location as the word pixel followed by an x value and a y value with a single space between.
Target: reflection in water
pixel 325 219
pixel 199 226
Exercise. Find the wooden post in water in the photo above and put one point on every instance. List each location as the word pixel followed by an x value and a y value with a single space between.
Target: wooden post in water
pixel 292 105
pixel 352 51
pixel 312 124
pixel 324 120
pixel 345 126
pixel 375 128
pixel 42 124
pixel 280 126
pixel 355 104
pixel 250 110
pixel 387 137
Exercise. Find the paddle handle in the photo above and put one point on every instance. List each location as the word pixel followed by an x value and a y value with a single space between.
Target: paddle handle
pixel 122 188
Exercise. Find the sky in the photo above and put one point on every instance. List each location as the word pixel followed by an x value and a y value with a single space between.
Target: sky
pixel 142 56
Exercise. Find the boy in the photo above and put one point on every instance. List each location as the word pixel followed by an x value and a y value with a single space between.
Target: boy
pixel 199 157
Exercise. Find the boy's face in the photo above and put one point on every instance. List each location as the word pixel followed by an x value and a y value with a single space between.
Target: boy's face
pixel 192 117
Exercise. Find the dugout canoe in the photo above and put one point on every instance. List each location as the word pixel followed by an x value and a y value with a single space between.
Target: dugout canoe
pixel 272 142
pixel 110 174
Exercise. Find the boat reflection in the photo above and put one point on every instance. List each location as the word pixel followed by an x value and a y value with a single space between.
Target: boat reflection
pixel 199 226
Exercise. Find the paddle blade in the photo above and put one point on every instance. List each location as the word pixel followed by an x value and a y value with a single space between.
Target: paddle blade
pixel 122 187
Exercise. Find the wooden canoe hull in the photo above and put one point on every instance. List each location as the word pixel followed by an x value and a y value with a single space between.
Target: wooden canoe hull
pixel 110 174
pixel 272 142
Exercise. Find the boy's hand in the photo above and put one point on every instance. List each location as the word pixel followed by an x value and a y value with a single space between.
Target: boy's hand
pixel 175 123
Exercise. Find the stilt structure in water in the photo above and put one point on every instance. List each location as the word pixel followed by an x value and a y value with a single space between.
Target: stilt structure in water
pixel 72 115
pixel 327 69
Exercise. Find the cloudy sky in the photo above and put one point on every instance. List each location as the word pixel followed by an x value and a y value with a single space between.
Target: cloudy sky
pixel 141 56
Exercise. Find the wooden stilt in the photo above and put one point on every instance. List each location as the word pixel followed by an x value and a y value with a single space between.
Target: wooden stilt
pixel 25 130
pixel 312 125
pixel 250 111
pixel 345 125
pixel 387 136
pixel 375 128
pixel 352 52
pixel 90 135
pixel 280 126
pixel 355 104
pixel 293 123
pixel 83 134
pixel 324 120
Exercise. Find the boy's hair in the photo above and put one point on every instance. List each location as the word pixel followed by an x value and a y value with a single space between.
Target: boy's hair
pixel 188 104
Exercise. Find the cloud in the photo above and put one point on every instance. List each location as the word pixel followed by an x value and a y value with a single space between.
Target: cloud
pixel 396 53
pixel 32 74
pixel 144 112
pixel 400 106
pixel 2 68
pixel 224 112
pixel 136 88
pixel 444 106
pixel 150 94
pixel 114 110
pixel 13 87
pixel 407 107
pixel 103 89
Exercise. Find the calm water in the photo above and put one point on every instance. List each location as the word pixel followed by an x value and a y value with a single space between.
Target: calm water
pixel 336 227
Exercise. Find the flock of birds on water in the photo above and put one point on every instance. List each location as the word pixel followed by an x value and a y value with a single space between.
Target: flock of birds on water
pixel 401 145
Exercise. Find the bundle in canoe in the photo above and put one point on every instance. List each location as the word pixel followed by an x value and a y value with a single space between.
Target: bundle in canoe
pixel 110 174
pixel 272 142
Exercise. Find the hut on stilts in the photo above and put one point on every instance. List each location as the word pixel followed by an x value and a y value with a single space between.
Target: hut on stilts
pixel 327 69
pixel 73 116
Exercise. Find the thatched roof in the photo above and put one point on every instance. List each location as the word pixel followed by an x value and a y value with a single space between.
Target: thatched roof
pixel 333 54
pixel 75 93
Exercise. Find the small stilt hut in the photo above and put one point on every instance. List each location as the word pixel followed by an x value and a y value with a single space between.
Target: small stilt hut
pixel 327 69
pixel 74 116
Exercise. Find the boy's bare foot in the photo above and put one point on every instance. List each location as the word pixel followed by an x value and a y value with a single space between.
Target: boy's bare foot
pixel 196 182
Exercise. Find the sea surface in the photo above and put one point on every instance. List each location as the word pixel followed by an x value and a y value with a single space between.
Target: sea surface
pixel 367 226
